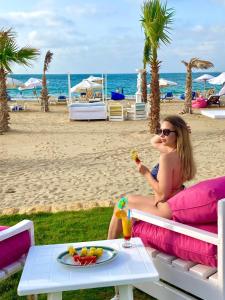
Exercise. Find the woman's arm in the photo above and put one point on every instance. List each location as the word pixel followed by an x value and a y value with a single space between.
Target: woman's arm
pixel 163 186
pixel 157 144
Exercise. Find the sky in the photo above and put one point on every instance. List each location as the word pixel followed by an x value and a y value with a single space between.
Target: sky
pixel 105 36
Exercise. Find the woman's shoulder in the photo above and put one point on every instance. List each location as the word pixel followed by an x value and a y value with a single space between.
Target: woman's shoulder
pixel 169 157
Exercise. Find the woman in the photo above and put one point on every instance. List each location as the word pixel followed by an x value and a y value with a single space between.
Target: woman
pixel 176 165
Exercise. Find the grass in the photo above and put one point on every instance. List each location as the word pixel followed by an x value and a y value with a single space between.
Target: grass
pixel 65 227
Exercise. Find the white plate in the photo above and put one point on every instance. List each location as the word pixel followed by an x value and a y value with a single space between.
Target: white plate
pixel 108 255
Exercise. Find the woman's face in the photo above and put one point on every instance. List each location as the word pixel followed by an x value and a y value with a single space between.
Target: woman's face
pixel 168 135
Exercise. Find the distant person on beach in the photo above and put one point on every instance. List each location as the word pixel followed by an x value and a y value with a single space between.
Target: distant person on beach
pixel 176 165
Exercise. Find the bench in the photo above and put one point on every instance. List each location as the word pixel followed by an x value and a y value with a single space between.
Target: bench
pixel 185 280
pixel 8 234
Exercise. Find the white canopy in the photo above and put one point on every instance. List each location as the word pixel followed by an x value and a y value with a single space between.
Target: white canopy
pixel 204 78
pixel 165 83
pixel 12 83
pixel 220 79
pixel 222 91
pixel 95 79
pixel 84 86
pixel 31 84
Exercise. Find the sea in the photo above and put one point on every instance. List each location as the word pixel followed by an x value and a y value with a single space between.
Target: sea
pixel 58 83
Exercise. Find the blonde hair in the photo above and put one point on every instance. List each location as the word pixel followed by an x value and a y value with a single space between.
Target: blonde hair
pixel 184 147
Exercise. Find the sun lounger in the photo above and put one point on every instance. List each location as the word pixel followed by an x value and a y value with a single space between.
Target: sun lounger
pixel 137 111
pixel 213 100
pixel 87 111
pixel 184 280
pixel 214 113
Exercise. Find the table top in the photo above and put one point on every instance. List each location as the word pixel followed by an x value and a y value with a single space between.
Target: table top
pixel 42 272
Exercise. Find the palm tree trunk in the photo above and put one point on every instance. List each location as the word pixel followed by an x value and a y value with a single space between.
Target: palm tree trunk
pixel 44 95
pixel 4 109
pixel 144 86
pixel 188 91
pixel 155 97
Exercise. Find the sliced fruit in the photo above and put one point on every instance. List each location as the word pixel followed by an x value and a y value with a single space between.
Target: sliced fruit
pixel 72 251
pixel 120 214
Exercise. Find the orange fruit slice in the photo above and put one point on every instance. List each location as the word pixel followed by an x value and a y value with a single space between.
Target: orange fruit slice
pixel 120 214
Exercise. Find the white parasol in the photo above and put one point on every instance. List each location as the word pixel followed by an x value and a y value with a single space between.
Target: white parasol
pixel 165 83
pixel 95 79
pixel 12 83
pixel 31 83
pixel 220 79
pixel 204 78
pixel 84 86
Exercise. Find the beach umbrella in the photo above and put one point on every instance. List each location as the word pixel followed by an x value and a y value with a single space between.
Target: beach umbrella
pixel 163 83
pixel 204 78
pixel 95 79
pixel 222 91
pixel 31 83
pixel 166 83
pixel 12 83
pixel 84 86
pixel 220 79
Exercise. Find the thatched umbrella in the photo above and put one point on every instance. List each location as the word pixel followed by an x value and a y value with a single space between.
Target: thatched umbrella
pixel 194 63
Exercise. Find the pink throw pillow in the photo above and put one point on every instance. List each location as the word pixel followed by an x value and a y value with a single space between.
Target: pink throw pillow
pixel 177 244
pixel 198 203
pixel 13 248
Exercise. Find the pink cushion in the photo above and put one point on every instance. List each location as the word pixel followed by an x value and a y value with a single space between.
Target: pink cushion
pixel 198 203
pixel 13 248
pixel 199 103
pixel 177 244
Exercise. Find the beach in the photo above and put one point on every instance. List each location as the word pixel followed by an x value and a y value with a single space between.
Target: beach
pixel 51 164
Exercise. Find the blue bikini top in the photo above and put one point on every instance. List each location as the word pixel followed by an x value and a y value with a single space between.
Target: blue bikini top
pixel 154 171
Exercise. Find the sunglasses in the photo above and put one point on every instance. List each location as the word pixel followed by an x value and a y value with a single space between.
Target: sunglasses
pixel 165 132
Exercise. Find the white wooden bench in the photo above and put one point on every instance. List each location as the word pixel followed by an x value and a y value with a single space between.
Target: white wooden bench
pixel 184 280
pixel 10 232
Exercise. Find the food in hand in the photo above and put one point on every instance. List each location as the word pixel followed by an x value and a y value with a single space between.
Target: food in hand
pixel 85 256
pixel 134 156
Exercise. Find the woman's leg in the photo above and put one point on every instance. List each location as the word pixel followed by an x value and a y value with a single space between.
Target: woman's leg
pixel 115 227
pixel 147 204
pixel 143 203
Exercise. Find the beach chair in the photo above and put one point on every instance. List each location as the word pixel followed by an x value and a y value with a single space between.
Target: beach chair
pixel 116 111
pixel 168 96
pixel 185 280
pixel 137 111
pixel 15 242
pixel 213 100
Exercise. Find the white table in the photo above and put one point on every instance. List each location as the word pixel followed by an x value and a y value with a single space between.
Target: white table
pixel 42 273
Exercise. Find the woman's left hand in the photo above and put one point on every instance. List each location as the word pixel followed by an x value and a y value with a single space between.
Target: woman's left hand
pixel 142 169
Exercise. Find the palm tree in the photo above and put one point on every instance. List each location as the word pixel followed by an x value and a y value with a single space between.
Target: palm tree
pixel 156 18
pixel 44 91
pixel 9 54
pixel 194 63
pixel 146 56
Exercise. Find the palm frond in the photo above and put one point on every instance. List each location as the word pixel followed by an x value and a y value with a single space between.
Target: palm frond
pixel 200 64
pixel 48 59
pixel 185 63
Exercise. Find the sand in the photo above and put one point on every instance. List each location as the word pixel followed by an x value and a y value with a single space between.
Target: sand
pixel 48 163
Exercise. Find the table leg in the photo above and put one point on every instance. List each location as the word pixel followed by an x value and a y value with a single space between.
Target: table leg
pixel 55 296
pixel 126 292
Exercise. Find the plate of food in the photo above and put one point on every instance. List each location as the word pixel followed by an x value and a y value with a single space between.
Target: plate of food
pixel 87 256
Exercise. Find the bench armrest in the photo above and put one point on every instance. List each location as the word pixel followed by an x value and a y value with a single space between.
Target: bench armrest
pixel 199 234
pixel 18 228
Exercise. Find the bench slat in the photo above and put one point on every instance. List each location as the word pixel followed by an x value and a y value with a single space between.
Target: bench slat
pixel 183 265
pixel 165 257
pixel 202 271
